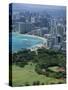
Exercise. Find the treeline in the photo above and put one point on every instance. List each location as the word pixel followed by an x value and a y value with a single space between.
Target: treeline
pixel 44 59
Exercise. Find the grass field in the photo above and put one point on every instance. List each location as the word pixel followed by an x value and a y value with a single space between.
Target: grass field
pixel 20 76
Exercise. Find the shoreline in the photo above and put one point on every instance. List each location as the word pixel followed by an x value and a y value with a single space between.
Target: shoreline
pixel 42 38
pixel 34 47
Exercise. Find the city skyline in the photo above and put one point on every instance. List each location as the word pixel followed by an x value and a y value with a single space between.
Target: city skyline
pixel 43 22
pixel 37 44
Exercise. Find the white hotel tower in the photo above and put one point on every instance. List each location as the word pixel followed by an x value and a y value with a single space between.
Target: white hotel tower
pixel 56 34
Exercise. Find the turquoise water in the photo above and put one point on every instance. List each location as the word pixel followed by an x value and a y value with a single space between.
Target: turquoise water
pixel 22 41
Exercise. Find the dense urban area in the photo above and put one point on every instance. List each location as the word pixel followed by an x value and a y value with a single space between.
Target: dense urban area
pixel 42 24
pixel 46 65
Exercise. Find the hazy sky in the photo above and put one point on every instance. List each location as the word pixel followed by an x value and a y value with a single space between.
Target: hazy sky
pixel 50 9
pixel 19 6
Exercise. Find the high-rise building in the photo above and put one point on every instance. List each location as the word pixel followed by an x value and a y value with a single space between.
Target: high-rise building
pixel 32 19
pixel 60 29
pixel 23 27
pixel 58 33
pixel 53 29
